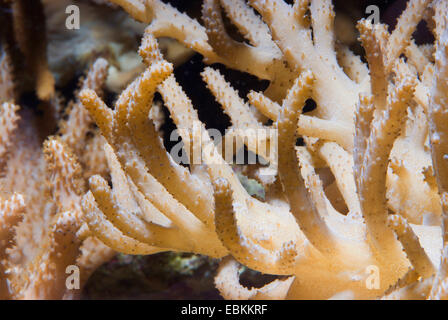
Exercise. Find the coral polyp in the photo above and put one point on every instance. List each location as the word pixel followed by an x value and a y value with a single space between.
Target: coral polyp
pixel 354 199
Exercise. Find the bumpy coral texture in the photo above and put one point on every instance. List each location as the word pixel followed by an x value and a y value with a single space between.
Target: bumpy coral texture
pixel 367 191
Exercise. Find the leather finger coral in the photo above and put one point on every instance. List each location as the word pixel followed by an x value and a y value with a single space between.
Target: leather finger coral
pixel 41 189
pixel 350 140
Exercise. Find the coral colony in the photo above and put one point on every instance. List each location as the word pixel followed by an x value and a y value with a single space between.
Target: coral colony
pixel 357 211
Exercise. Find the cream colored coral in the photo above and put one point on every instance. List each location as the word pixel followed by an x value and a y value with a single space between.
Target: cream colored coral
pixel 369 133
pixel 366 190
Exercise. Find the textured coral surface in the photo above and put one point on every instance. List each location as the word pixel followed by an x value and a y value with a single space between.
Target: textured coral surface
pixel 346 115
